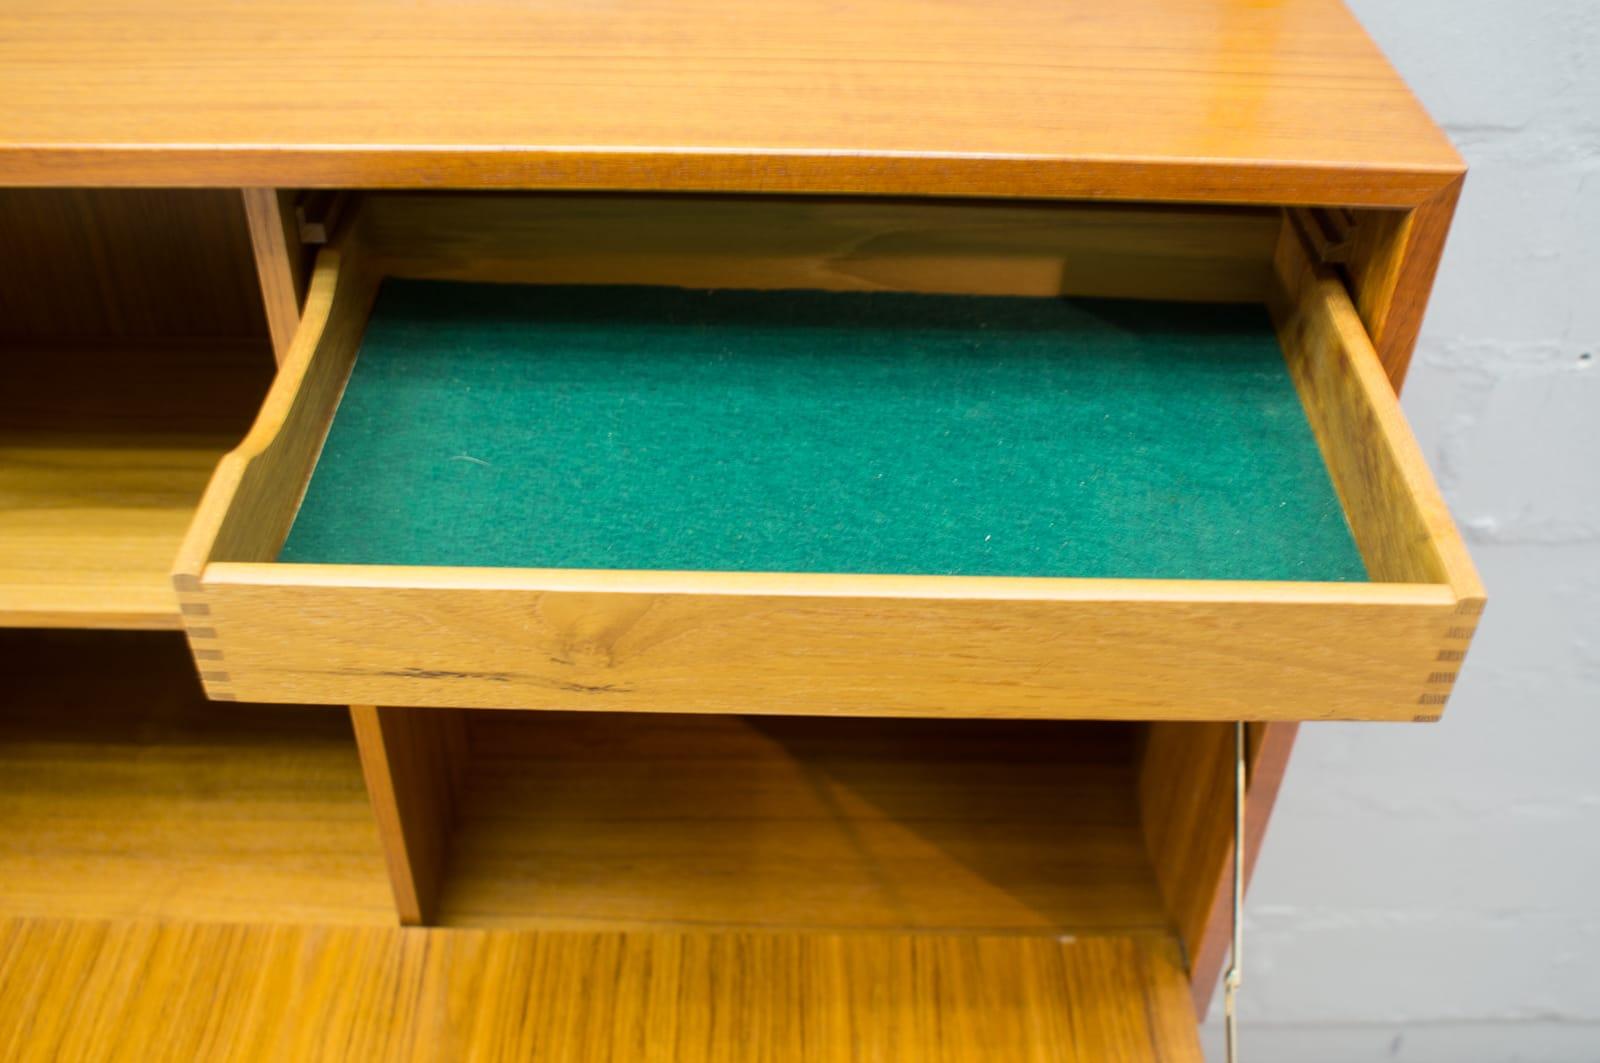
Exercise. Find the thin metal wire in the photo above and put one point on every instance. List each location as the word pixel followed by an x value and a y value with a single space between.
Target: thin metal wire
pixel 1234 976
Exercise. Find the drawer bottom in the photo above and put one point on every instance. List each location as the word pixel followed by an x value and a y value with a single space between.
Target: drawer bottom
pixel 822 432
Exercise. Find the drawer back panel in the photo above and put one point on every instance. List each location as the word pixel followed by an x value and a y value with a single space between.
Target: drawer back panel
pixel 953 247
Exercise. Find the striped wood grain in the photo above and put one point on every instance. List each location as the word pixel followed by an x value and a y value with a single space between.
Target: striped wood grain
pixel 141 991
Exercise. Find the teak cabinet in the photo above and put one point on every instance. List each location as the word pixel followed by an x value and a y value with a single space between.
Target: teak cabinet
pixel 855 812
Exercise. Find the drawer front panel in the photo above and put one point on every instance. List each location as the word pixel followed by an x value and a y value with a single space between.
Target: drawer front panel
pixel 1370 656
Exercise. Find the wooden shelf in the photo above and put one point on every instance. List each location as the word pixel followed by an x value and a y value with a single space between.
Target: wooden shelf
pixel 104 453
pixel 124 794
pixel 578 820
pixel 256 992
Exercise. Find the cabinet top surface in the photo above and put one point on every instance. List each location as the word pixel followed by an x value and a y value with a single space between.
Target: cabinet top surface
pixel 1221 100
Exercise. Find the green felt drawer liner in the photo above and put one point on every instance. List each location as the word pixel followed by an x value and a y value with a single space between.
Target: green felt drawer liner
pixel 805 431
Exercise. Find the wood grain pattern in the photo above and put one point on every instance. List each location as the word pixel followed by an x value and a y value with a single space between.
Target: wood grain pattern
pixel 1185 807
pixel 103 459
pixel 124 264
pixel 583 820
pixel 838 244
pixel 1222 100
pixel 274 239
pixel 851 645
pixel 111 991
pixel 413 761
pixel 125 795
pixel 1227 102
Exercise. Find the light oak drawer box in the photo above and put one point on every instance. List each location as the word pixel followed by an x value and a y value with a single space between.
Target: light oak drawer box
pixel 716 638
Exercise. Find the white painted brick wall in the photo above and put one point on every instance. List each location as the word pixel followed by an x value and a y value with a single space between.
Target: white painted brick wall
pixel 1433 893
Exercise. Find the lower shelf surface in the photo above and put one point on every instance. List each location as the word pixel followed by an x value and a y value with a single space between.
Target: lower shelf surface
pixel 89 527
pixel 579 820
pixel 77 990
pixel 124 794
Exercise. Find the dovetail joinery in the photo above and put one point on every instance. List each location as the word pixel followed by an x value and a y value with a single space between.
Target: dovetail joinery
pixel 204 644
pixel 1433 696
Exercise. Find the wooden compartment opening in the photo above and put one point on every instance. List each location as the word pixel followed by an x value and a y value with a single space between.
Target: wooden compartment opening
pixel 957 837
pixel 815 826
pixel 125 794
pixel 796 823
pixel 132 357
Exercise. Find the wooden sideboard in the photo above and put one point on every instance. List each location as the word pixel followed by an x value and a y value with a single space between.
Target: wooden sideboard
pixel 778 815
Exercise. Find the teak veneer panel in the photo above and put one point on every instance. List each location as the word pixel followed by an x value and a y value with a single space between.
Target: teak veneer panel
pixel 829 243
pixel 412 760
pixel 71 990
pixel 577 820
pixel 103 265
pixel 1222 100
pixel 274 238
pixel 883 645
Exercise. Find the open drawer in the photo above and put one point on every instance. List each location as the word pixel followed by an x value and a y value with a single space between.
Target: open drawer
pixel 794 497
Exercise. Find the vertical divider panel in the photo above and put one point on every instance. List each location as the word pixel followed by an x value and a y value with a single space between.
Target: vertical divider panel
pixel 1186 809
pixel 412 760
pixel 278 266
